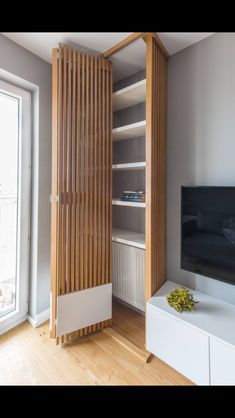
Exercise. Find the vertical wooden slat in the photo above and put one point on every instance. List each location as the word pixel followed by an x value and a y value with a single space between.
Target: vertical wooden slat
pixel 108 173
pixel 73 172
pixel 95 220
pixel 103 178
pixel 110 168
pixel 156 154
pixel 63 172
pixel 87 199
pixel 95 238
pixel 68 176
pixel 99 175
pixel 91 175
pixel 155 166
pixel 149 146
pixel 164 162
pixel 164 110
pixel 107 151
pixel 60 172
pixel 81 255
pixel 78 171
pixel 160 150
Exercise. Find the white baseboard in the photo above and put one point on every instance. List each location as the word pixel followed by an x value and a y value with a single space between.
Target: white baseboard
pixel 13 324
pixel 31 321
pixel 40 318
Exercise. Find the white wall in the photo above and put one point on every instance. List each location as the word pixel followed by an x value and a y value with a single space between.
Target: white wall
pixel 18 61
pixel 201 138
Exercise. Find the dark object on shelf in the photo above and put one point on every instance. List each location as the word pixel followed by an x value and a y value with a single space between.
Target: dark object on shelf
pixel 138 196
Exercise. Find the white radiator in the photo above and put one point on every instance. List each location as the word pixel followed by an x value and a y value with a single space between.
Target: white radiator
pixel 129 274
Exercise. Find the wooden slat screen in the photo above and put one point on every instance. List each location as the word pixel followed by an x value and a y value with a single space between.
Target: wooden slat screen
pixel 81 176
pixel 156 73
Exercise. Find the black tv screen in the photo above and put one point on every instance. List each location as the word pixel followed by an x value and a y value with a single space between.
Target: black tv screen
pixel 208 231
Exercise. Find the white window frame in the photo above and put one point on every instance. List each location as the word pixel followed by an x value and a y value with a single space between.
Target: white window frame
pixel 19 314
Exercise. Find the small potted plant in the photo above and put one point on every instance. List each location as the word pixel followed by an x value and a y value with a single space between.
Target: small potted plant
pixel 181 300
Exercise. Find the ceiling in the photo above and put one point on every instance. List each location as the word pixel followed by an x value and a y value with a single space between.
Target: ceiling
pixel 126 63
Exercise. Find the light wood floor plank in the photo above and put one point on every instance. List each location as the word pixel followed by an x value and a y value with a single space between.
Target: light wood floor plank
pixel 29 357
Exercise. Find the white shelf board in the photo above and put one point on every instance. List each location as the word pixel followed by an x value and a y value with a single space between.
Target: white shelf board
pixel 120 202
pixel 134 130
pixel 211 315
pixel 129 96
pixel 133 239
pixel 129 166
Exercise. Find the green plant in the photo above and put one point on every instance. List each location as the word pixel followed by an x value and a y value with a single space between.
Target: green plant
pixel 181 300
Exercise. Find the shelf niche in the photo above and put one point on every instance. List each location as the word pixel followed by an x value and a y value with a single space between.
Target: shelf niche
pixel 129 96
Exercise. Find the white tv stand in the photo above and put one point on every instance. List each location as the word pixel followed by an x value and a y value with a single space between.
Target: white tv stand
pixel 199 344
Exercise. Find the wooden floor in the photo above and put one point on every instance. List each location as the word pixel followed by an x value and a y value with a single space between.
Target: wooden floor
pixel 129 323
pixel 29 357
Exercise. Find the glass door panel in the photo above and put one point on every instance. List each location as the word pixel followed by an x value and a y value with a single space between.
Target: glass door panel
pixel 9 156
pixel 15 185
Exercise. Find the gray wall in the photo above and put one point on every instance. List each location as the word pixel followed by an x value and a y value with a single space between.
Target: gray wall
pixel 133 78
pixel 201 138
pixel 20 62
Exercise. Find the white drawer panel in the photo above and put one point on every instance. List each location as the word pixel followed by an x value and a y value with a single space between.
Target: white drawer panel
pixel 181 346
pixel 222 360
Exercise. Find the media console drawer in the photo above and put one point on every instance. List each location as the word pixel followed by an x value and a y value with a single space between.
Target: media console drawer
pixel 179 345
pixel 222 359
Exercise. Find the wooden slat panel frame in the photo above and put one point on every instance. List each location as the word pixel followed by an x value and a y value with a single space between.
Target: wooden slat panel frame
pixel 81 183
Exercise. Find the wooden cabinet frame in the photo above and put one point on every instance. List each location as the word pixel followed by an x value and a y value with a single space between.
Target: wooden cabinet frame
pixel 155 213
pixel 74 123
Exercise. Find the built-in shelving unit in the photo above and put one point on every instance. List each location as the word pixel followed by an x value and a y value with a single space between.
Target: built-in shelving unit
pixel 129 238
pixel 137 264
pixel 129 174
pixel 130 166
pixel 120 202
pixel 134 130
pixel 129 96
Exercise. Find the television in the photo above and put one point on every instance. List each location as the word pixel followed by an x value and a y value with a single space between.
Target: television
pixel 208 232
